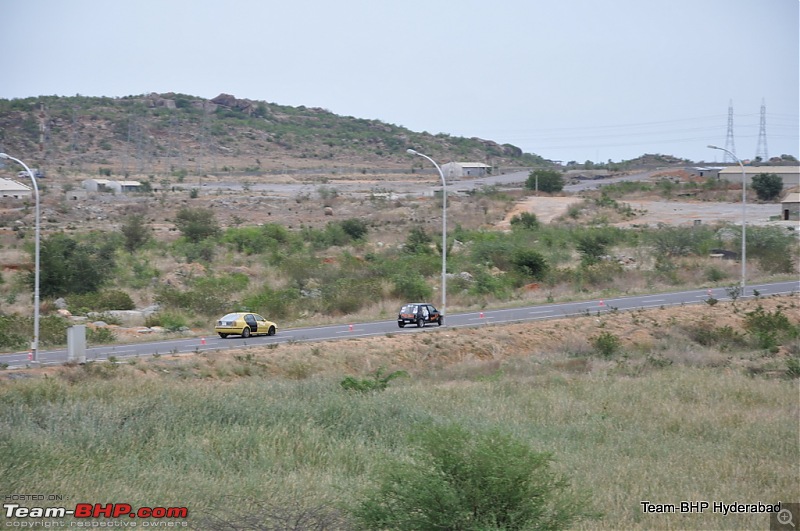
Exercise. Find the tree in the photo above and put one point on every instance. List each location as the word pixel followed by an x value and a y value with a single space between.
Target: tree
pixel 548 181
pixel 135 231
pixel 68 266
pixel 768 186
pixel 196 224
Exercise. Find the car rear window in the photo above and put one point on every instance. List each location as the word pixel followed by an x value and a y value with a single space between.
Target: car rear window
pixel 229 317
pixel 409 308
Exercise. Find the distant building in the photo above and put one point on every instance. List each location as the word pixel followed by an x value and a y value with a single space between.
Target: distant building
pixel 9 188
pixel 789 174
pixel 711 172
pixel 107 185
pixel 465 169
pixel 790 207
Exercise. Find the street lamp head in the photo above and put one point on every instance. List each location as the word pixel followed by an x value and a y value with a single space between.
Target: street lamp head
pixel 411 152
pixel 4 156
pixel 712 147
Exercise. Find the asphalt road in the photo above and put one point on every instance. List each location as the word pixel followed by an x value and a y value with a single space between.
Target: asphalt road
pixel 368 329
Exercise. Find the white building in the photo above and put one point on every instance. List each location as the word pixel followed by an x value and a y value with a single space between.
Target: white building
pixel 107 185
pixel 465 169
pixel 9 188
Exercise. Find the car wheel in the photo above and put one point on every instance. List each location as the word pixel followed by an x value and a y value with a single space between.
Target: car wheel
pixel 401 324
pixel 439 321
pixel 246 332
pixel 223 336
pixel 419 323
pixel 271 331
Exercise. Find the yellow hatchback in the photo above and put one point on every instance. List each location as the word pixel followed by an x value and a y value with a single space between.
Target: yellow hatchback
pixel 244 324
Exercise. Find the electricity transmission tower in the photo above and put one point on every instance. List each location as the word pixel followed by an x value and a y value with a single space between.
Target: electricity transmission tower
pixel 761 148
pixel 729 144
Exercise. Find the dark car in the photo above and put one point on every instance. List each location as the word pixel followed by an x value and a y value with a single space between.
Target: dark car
pixel 418 313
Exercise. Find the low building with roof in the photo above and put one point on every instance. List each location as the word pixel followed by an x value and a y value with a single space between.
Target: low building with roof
pixel 790 207
pixel 466 169
pixel 11 188
pixel 108 185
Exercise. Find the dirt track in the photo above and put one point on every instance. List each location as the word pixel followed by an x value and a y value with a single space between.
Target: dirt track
pixel 654 212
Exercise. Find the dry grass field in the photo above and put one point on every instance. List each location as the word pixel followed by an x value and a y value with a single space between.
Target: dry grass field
pixel 663 418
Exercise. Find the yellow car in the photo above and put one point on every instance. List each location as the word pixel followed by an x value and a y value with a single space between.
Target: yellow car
pixel 244 324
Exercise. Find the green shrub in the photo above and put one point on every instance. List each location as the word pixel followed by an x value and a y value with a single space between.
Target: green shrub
pixel 348 295
pixel 760 320
pixel 206 295
pixel 72 266
pixel 411 287
pixel 462 480
pixel 592 246
pixel 774 248
pixel 714 274
pixel 793 367
pixel 529 263
pixel 355 228
pixel 707 334
pixel 378 382
pixel 169 320
pixel 99 336
pixel 11 336
pixel 101 301
pixel 418 242
pixel 277 304
pixel 769 329
pixel 196 224
pixel 606 344
pixel 525 220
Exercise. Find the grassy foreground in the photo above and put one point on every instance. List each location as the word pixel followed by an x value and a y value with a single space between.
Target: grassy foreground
pixel 271 431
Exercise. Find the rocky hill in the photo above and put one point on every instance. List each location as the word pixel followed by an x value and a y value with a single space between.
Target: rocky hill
pixel 164 135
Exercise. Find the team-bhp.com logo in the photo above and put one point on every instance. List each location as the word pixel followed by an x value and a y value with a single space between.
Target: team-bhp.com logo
pixel 94 510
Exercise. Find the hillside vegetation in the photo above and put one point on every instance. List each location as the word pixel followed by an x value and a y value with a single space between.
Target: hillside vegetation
pixel 177 134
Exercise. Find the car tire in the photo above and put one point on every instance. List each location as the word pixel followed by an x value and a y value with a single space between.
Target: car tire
pixel 439 321
pixel 223 336
pixel 419 322
pixel 401 324
pixel 271 331
pixel 246 332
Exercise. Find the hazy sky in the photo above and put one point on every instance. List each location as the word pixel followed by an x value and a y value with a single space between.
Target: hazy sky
pixel 565 79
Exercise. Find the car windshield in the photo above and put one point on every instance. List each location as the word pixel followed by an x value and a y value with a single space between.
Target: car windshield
pixel 229 317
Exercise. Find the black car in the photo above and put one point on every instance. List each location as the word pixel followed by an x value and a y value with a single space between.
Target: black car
pixel 418 313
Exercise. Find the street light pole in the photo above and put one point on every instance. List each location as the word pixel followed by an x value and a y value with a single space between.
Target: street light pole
pixel 35 344
pixel 444 229
pixel 744 215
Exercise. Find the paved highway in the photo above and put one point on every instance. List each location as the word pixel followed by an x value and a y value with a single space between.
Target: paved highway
pixel 368 329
